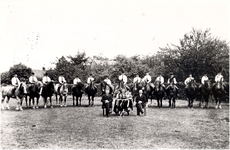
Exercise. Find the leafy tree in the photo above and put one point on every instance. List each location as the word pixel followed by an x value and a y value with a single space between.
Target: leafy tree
pixel 198 53
pixel 21 70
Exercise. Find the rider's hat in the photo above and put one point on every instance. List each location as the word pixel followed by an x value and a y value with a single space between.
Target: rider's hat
pixel 15 75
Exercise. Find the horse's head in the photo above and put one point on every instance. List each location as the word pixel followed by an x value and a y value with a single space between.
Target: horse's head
pixel 22 88
pixel 91 85
pixel 219 85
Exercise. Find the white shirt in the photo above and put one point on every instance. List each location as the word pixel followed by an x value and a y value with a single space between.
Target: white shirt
pixel 33 79
pixel 188 80
pixel 15 81
pixel 147 78
pixel 137 79
pixel 204 78
pixel 46 79
pixel 160 78
pixel 174 80
pixel 219 77
pixel 123 78
pixel 90 79
pixel 108 81
pixel 76 80
pixel 61 79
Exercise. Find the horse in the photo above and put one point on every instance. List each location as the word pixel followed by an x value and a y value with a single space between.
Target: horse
pixel 158 91
pixel 147 90
pixel 204 93
pixel 191 92
pixel 33 92
pixel 77 92
pixel 218 92
pixel 91 92
pixel 48 91
pixel 9 91
pixel 62 91
pixel 171 92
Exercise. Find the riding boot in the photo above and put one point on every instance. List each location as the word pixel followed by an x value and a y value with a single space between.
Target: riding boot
pixel 40 93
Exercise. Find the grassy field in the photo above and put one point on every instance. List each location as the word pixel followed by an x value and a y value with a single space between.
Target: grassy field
pixel 85 127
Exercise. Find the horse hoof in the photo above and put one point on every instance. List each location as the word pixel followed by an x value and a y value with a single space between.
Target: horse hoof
pixel 45 107
pixel 60 105
pixel 220 107
pixel 17 108
pixel 216 107
pixel 65 105
pixel 51 106
pixel 33 107
pixel 37 107
pixel 20 109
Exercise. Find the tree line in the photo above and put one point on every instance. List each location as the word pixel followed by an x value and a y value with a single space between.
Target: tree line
pixel 198 53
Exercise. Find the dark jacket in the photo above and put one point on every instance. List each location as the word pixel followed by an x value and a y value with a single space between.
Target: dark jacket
pixel 105 97
pixel 141 98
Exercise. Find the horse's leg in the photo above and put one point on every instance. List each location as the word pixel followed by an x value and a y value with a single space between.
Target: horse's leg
pixel 37 101
pixel 89 99
pixel 92 100
pixel 65 100
pixel 220 100
pixel 51 105
pixel 33 102
pixel 174 102
pixel 60 100
pixel 80 100
pixel 170 102
pixel 45 101
pixel 73 100
pixel 26 101
pixel 158 103
pixel 3 98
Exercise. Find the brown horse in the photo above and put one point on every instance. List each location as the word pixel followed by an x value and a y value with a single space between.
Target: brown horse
pixel 171 92
pixel 159 92
pixel 33 92
pixel 91 92
pixel 218 92
pixel 77 92
pixel 191 92
pixel 204 93
pixel 20 91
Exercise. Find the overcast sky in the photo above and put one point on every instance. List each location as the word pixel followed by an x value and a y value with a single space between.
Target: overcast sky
pixel 35 33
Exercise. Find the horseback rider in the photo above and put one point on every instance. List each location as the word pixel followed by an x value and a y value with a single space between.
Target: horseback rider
pixel 76 81
pixel 137 79
pixel 108 82
pixel 89 80
pixel 160 78
pixel 147 78
pixel 172 80
pixel 45 80
pixel 61 80
pixel 33 79
pixel 219 78
pixel 15 82
pixel 188 80
pixel 203 79
pixel 123 78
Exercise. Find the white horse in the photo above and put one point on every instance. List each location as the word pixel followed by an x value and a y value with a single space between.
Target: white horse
pixel 7 91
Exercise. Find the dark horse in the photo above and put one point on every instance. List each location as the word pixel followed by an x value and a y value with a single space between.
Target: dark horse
pixel 191 92
pixel 171 92
pixel 204 93
pixel 147 90
pixel 218 92
pixel 33 92
pixel 91 92
pixel 158 91
pixel 48 91
pixel 77 92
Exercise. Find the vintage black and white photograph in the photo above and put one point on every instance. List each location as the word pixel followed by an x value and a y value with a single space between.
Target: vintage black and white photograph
pixel 114 74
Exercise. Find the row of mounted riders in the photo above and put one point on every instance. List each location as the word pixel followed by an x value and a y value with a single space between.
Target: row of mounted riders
pixel 192 92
